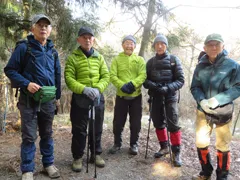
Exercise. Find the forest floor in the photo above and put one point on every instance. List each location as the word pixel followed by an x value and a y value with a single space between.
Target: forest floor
pixel 120 166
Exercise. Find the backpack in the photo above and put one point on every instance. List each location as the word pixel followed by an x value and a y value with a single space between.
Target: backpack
pixel 24 62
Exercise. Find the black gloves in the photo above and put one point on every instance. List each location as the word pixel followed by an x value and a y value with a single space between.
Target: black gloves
pixel 162 90
pixel 155 87
pixel 128 88
pixel 150 85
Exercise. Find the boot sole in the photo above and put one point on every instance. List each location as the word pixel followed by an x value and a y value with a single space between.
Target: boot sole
pixel 197 178
pixel 177 165
pixel 76 170
pixel 132 153
pixel 57 175
pixel 159 155
pixel 54 177
pixel 114 152
pixel 98 165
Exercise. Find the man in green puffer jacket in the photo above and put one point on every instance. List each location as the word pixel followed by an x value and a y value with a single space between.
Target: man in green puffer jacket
pixel 127 73
pixel 87 76
pixel 215 85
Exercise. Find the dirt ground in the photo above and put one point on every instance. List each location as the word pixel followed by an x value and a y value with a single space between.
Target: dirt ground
pixel 120 166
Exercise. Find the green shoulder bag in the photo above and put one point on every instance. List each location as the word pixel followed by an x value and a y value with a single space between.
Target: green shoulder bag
pixel 45 94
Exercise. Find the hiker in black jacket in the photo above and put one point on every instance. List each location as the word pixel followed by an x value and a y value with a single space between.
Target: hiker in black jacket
pixel 164 78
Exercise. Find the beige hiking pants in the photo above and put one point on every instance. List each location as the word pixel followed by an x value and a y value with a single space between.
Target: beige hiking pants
pixel 204 131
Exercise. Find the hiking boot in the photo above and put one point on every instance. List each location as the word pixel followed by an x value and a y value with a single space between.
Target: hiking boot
pixel 223 164
pixel 133 150
pixel 114 149
pixel 201 177
pixel 52 171
pixel 177 162
pixel 77 165
pixel 176 158
pixel 99 161
pixel 27 176
pixel 161 152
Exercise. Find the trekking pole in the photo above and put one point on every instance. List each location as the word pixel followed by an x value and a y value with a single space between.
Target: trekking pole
pixel 149 124
pixel 88 142
pixel 165 117
pixel 93 134
pixel 235 124
pixel 91 117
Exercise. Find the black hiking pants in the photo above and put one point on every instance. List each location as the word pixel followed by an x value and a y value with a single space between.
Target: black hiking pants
pixel 122 108
pixel 171 120
pixel 79 118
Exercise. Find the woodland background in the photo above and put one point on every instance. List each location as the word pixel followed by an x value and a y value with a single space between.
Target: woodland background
pixel 149 17
pixel 69 15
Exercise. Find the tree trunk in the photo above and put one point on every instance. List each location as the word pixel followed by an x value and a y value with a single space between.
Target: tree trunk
pixel 3 102
pixel 1 106
pixel 147 27
pixel 27 9
pixel 190 66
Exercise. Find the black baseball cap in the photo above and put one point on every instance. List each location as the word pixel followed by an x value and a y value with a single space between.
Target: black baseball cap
pixel 85 30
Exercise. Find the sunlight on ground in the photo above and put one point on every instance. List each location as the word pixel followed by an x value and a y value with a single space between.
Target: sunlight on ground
pixel 165 169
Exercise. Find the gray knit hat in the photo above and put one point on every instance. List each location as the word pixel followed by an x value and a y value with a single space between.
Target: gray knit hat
pixel 129 37
pixel 161 38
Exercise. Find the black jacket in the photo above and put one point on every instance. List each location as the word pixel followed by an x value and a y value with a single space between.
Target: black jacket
pixel 166 70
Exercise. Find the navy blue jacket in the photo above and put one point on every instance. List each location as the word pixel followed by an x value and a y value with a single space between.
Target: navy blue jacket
pixel 42 69
pixel 220 79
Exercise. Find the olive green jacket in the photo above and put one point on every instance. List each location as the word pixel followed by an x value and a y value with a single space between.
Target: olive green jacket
pixel 126 68
pixel 81 71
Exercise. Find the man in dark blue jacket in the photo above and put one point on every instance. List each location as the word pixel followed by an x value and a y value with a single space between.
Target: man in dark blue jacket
pixel 215 84
pixel 164 78
pixel 33 66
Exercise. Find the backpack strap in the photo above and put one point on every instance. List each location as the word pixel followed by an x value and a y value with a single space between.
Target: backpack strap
pixel 54 54
pixel 24 61
pixel 172 63
pixel 173 66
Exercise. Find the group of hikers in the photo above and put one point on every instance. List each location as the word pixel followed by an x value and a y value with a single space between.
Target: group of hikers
pixel 34 67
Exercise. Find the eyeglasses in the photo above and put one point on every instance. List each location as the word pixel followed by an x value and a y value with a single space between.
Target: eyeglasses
pixel 129 44
pixel 211 45
pixel 41 26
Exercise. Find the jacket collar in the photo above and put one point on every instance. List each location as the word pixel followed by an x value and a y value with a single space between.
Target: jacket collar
pixel 219 58
pixel 36 43
pixel 79 52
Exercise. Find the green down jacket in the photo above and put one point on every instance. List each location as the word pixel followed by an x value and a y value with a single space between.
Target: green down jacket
pixel 81 71
pixel 126 68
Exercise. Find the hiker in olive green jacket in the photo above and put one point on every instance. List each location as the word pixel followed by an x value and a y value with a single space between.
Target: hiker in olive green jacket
pixel 128 72
pixel 87 76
